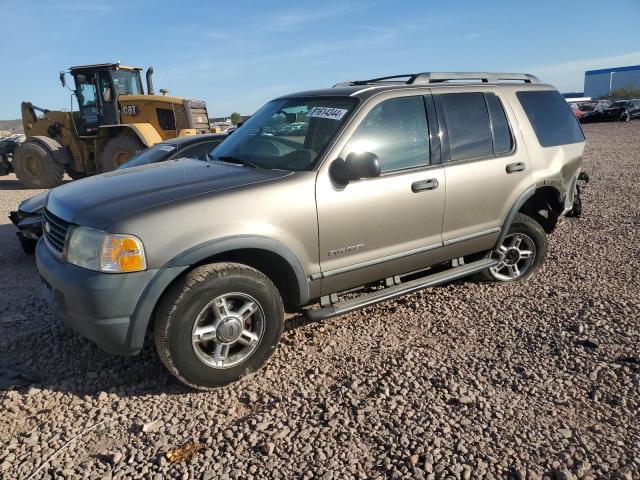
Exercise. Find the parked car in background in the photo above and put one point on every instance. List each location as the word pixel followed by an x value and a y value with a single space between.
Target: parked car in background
pixel 611 111
pixel 28 217
pixel 7 147
pixel 592 112
pixel 399 184
pixel 632 111
pixel 580 109
pixel 617 111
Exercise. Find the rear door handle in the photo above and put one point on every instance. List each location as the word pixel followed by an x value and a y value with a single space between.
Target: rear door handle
pixel 515 167
pixel 421 185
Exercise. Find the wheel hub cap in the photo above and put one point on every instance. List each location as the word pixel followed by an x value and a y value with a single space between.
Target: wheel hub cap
pixel 512 256
pixel 229 330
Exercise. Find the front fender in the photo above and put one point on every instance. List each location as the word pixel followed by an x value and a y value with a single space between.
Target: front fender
pixel 198 254
pixel 201 252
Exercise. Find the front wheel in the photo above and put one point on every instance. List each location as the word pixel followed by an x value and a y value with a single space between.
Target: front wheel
pixel 217 324
pixel 520 254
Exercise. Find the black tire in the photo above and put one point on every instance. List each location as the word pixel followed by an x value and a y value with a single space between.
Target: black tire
pixel 576 209
pixel 36 167
pixel 181 306
pixel 529 231
pixel 119 150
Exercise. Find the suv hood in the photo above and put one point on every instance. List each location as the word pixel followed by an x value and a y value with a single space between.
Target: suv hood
pixel 99 200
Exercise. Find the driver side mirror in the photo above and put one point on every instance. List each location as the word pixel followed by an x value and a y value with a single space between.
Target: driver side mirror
pixel 356 167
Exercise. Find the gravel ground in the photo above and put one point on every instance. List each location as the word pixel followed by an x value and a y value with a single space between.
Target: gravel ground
pixel 536 380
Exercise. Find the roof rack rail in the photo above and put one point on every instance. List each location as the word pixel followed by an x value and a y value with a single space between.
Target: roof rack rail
pixel 441 77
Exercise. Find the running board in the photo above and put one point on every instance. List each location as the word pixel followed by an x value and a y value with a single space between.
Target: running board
pixel 389 293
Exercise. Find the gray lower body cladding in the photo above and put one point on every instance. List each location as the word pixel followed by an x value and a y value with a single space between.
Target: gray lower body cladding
pixel 112 310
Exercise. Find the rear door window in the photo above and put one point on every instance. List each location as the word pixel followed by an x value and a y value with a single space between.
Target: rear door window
pixel 551 118
pixel 502 139
pixel 468 125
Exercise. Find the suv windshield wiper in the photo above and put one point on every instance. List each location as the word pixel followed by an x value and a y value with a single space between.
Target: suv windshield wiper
pixel 239 161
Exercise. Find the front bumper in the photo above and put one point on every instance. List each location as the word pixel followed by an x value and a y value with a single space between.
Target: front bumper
pixel 29 227
pixel 102 307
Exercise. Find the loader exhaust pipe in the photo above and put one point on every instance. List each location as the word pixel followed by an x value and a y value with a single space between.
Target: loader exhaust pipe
pixel 150 81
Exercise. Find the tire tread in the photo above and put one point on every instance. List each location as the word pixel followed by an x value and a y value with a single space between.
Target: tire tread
pixel 172 300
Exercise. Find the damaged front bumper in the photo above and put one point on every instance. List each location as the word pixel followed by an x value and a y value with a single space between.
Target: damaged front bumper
pixel 29 227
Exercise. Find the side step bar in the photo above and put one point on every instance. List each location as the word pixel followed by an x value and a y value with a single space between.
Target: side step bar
pixel 398 290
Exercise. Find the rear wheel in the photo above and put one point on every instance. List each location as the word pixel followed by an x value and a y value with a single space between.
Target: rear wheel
pixel 119 150
pixel 520 254
pixel 35 166
pixel 217 324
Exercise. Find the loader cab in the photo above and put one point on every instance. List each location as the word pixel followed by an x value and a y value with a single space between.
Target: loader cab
pixel 97 90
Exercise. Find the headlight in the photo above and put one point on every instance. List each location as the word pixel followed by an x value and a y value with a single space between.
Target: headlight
pixel 105 252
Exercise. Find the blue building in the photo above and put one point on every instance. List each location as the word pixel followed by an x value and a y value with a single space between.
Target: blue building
pixel 598 83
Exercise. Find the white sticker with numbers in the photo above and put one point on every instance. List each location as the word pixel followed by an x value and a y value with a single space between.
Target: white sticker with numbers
pixel 327 112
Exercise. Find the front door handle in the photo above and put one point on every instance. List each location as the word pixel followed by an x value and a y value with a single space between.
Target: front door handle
pixel 421 185
pixel 515 167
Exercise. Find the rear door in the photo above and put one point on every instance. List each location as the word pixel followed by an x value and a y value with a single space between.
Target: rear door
pixel 379 227
pixel 486 167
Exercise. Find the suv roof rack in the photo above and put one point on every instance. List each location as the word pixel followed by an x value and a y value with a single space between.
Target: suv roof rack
pixel 441 77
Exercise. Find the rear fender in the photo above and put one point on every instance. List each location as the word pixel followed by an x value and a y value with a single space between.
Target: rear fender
pixel 526 195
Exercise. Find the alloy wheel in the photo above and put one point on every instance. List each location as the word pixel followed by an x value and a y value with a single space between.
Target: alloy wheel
pixel 228 330
pixel 516 255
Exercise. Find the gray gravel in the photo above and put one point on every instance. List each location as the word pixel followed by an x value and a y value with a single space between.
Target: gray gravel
pixel 537 380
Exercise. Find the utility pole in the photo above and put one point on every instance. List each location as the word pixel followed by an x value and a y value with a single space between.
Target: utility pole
pixel 610 82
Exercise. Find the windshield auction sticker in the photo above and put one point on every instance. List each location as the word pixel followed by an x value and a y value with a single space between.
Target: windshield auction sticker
pixel 327 112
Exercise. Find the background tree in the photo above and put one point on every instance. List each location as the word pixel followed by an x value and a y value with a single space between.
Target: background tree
pixel 235 118
pixel 629 92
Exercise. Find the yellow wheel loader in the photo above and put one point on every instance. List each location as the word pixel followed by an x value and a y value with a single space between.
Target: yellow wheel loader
pixel 115 119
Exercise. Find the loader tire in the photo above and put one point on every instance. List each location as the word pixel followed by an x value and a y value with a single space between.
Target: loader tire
pixel 119 150
pixel 35 165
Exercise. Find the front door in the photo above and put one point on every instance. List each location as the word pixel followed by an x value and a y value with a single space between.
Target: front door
pixel 375 228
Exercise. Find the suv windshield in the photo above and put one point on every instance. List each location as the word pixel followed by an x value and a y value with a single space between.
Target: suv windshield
pixel 287 134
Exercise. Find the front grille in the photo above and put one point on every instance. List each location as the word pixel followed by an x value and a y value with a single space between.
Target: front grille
pixel 200 119
pixel 55 230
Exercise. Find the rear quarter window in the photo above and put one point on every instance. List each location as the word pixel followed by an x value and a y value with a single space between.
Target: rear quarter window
pixel 551 117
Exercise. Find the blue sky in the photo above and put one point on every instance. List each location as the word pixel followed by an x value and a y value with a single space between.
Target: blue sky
pixel 238 54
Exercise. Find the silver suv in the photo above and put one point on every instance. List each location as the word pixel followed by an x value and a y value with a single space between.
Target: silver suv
pixel 398 183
